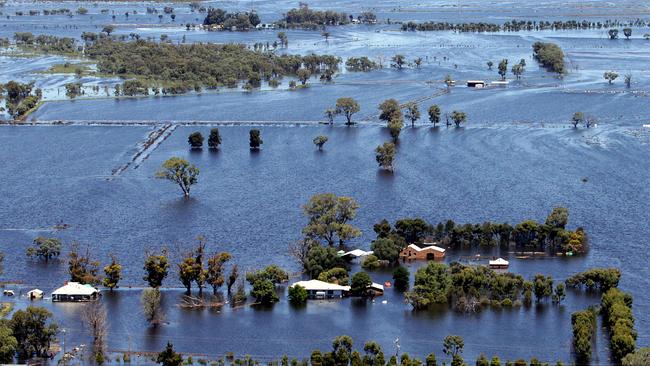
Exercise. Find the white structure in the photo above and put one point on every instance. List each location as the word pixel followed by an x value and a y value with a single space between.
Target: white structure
pixel 75 291
pixel 475 83
pixel 499 263
pixel 499 83
pixel 35 294
pixel 322 290
pixel 356 253
pixel 376 288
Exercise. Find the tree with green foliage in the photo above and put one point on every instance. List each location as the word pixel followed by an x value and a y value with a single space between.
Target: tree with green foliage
pixel 595 279
pixel 458 118
pixel 639 357
pixel 627 32
pixel 156 267
pixel 179 171
pixel 610 76
pixel 578 118
pixel 303 75
pixel 584 328
pixel 45 248
pixel 385 155
pixel 329 219
pixel 195 140
pixel 320 141
pixel 373 355
pixel 330 114
pixel 264 292
pixel 386 249
pixel 322 258
pixel 497 362
pixel 395 128
pixel 347 107
pixel 108 29
pixel 431 286
pixel 370 262
pixel 401 278
pixel 359 284
pixel 453 345
pixel 255 139
pixel 215 271
pixel 542 287
pixel 298 295
pixel 390 110
pixel 503 68
pixel 342 349
pixel 431 360
pixel 273 273
pixel 113 274
pixel 434 114
pixel 517 71
pixel 214 140
pixel 8 344
pixel 412 113
pixel 337 275
pixel 168 357
pixel 550 55
pixel 34 331
pixel 482 360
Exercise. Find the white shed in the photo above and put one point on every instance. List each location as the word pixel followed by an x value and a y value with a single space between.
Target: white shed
pixel 75 291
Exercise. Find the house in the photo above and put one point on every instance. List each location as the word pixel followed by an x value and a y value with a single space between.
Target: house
pixel 475 83
pixel 428 252
pixel 323 290
pixel 75 291
pixel 501 83
pixel 35 294
pixel 265 26
pixel 498 263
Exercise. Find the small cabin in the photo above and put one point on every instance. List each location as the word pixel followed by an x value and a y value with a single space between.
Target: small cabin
pixel 323 290
pixel 499 263
pixel 75 292
pixel 376 289
pixel 475 83
pixel 35 294
pixel 429 251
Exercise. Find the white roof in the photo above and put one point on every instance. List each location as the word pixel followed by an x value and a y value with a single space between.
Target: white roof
pixel 358 253
pixel 476 81
pixel 316 285
pixel 499 262
pixel 432 247
pixel 35 291
pixel 377 286
pixel 75 288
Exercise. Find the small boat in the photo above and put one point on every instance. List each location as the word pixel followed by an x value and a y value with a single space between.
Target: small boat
pixel 387 284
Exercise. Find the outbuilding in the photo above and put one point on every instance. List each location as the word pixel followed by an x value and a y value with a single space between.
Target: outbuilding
pixel 428 251
pixel 75 291
pixel 475 83
pixel 35 294
pixel 499 263
pixel 323 290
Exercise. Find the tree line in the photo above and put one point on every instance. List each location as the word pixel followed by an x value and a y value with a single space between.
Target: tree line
pixel 519 25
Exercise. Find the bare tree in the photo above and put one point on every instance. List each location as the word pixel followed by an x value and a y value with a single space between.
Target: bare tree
pixel 151 306
pixel 300 249
pixel 94 316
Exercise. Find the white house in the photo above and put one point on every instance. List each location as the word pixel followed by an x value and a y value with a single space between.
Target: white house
pixel 322 290
pixel 35 294
pixel 356 253
pixel 75 291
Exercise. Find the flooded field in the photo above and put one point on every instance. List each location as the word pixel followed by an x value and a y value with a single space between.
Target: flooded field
pixel 515 159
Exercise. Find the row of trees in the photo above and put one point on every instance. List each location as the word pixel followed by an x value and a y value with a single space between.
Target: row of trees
pixel 616 307
pixel 195 139
pixel 550 55
pixel 344 354
pixel 239 20
pixel 584 328
pixel 469 288
pixel 519 25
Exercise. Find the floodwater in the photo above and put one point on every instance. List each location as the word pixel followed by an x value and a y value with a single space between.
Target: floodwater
pixel 516 159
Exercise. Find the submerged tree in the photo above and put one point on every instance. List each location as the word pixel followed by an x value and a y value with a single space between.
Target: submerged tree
pixel 578 118
pixel 168 357
pixel 215 274
pixel 45 248
pixel 434 114
pixel 113 274
pixel 214 140
pixel 395 128
pixel 385 155
pixel 389 110
pixel 156 266
pixel 458 117
pixel 453 345
pixel 320 141
pixel 347 107
pixel 490 64
pixel 195 140
pixel 95 318
pixel 412 113
pixel 151 307
pixel 503 68
pixel 329 219
pixel 82 268
pixel 255 139
pixel 179 171
pixel 610 76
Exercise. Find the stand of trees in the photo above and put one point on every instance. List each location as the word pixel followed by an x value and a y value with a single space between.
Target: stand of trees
pixel 228 21
pixel 602 279
pixel 304 17
pixel 616 307
pixel 20 98
pixel 584 328
pixel 550 55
